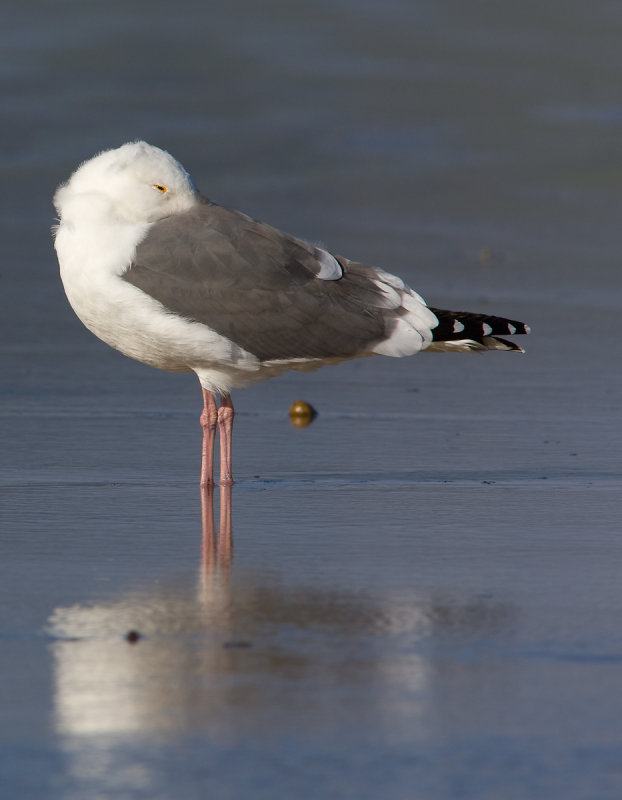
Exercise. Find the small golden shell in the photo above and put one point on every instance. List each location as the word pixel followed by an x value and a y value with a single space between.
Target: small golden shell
pixel 301 414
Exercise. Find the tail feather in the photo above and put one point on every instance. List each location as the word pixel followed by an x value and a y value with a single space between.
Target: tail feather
pixel 462 330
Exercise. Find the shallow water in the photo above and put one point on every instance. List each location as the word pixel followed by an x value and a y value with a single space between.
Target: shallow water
pixel 420 593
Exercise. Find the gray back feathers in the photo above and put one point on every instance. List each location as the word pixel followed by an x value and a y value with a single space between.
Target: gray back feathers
pixel 258 287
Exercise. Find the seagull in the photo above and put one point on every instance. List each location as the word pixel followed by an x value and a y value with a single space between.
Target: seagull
pixel 168 277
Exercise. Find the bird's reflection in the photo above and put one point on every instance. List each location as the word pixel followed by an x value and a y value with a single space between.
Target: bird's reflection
pixel 230 649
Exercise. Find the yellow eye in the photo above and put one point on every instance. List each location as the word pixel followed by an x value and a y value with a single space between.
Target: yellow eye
pixel 160 188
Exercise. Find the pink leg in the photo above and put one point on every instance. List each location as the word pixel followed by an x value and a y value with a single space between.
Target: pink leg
pixel 225 426
pixel 209 420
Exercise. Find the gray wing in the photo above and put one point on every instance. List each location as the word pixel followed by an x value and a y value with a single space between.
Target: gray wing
pixel 259 287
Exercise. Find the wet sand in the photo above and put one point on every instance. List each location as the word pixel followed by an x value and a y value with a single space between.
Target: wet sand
pixel 419 594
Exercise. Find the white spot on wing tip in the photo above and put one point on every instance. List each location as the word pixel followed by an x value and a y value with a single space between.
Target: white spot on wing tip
pixel 458 326
pixel 486 329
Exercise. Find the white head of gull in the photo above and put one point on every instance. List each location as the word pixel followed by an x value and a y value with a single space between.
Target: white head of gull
pixel 173 280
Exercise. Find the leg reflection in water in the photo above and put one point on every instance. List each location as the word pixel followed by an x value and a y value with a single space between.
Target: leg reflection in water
pixel 217 549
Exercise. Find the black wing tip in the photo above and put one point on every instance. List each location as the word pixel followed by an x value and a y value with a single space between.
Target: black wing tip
pixel 457 325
